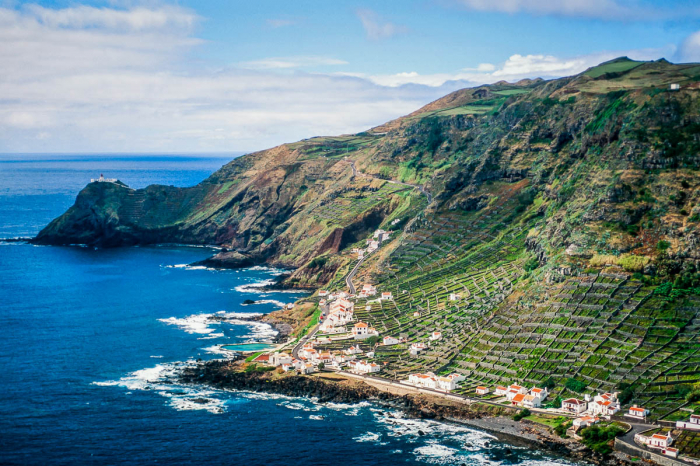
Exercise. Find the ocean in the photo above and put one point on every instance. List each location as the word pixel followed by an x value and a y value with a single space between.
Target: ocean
pixel 92 340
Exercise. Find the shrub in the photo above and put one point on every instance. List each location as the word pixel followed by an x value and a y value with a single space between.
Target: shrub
pixel 524 413
pixel 598 438
pixel 531 264
pixel 549 383
pixel 600 260
pixel 663 245
pixel 632 263
pixel 575 385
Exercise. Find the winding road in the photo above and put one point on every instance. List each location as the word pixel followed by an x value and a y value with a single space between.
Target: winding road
pixel 355 172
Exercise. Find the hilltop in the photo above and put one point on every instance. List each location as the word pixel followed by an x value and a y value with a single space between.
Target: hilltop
pixel 564 213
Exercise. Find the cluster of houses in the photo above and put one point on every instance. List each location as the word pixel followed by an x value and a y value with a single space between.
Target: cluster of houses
pixel 517 395
pixel 434 382
pixel 310 358
pixel 340 313
pixel 373 243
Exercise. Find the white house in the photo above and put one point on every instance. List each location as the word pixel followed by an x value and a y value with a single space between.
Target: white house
pixel 531 401
pixel 454 297
pixel 416 314
pixel 482 390
pixel 518 399
pixel 540 393
pixel 436 336
pixel 417 348
pixel 278 359
pixel 387 295
pixel 674 87
pixel 306 368
pixel 446 384
pixel 388 341
pixel 353 350
pixel 585 421
pixel 323 293
pixel 604 405
pixel 364 367
pixel 368 290
pixel 362 330
pixel 656 441
pixel 636 411
pixel 102 179
pixel 372 246
pixel 515 390
pixel 423 380
pixel 457 377
pixel 574 406
pixel 692 424
pixel 500 391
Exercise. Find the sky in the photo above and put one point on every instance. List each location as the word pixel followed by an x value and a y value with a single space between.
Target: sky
pixel 129 76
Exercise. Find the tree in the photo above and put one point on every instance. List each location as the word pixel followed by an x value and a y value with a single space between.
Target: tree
pixel 321 366
pixel 524 413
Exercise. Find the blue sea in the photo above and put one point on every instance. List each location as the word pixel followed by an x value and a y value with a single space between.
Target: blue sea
pixel 92 340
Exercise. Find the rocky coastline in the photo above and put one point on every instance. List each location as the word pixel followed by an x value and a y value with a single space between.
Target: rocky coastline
pixel 232 375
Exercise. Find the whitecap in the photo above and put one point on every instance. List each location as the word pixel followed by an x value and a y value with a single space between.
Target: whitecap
pixel 157 357
pixel 367 437
pixel 316 417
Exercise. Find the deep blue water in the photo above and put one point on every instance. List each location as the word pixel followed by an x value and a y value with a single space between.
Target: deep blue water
pixel 91 339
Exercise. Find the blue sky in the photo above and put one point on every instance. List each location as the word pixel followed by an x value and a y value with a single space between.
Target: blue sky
pixel 210 76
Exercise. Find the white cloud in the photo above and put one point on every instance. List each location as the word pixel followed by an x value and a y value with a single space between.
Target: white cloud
pixel 74 82
pixel 135 19
pixel 605 10
pixel 291 62
pixel 376 28
pixel 517 67
pixel 689 51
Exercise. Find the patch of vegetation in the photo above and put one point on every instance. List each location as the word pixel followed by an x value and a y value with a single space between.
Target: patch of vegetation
pixel 575 385
pixel 522 414
pixel 599 438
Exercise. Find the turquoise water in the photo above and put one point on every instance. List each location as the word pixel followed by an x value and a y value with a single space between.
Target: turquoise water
pixel 93 340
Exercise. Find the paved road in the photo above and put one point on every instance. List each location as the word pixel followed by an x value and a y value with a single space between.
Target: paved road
pixel 355 172
pixel 450 396
pixel 348 278
pixel 309 336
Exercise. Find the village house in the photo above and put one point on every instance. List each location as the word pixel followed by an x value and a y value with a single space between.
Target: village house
pixel 423 380
pixel 574 406
pixel 323 293
pixel 515 390
pixel 372 246
pixel 540 393
pixel 362 330
pixel 636 411
pixel 368 290
pixel 585 421
pixel 388 341
pixel 381 235
pixel 692 424
pixel 387 295
pixel 500 391
pixel 370 354
pixel 518 399
pixel 287 367
pixel 454 297
pixel 353 350
pixel 277 359
pixel 482 390
pixel 604 405
pixel 395 221
pixel 457 377
pixel 322 302
pixel 306 368
pixel 658 441
pixel 364 367
pixel 417 348
pixel 446 384
pixel 531 401
pixel 416 314
pixel 435 336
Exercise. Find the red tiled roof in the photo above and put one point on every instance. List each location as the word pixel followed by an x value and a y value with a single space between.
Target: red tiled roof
pixel 573 401
pixel 518 398
pixel 660 437
pixel 641 410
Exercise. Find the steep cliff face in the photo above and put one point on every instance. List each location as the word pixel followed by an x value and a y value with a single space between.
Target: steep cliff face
pixel 613 151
